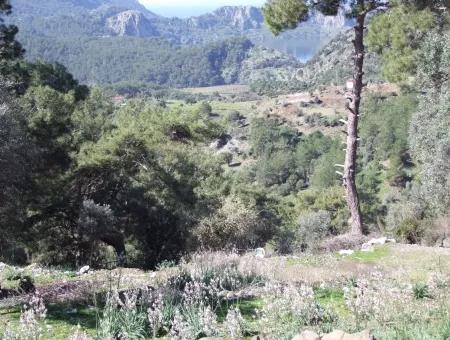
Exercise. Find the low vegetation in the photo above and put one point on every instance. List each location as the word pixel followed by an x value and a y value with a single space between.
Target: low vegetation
pixel 236 296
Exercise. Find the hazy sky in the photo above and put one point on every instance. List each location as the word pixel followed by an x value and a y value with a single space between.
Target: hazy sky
pixel 185 8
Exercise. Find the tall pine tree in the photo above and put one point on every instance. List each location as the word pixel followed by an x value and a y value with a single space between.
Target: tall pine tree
pixel 288 14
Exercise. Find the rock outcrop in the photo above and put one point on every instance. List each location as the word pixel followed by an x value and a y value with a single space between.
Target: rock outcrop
pixel 240 17
pixel 130 23
pixel 335 335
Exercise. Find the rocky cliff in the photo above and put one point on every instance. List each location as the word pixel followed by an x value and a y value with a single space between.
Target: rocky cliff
pixel 240 17
pixel 130 23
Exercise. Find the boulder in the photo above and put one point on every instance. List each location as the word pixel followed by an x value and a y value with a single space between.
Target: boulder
pixel 83 270
pixel 341 335
pixel 346 252
pixel 367 247
pixel 446 242
pixel 307 335
pixel 374 241
pixel 260 253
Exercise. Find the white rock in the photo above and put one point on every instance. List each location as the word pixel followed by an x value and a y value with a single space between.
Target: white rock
pixel 368 249
pixel 307 335
pixel 446 242
pixel 391 240
pixel 260 253
pixel 2 266
pixel 381 240
pixel 83 270
pixel 346 252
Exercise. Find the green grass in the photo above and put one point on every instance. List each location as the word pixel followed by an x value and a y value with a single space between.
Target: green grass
pixel 247 307
pixel 332 298
pixel 63 320
pixel 370 256
pixel 10 277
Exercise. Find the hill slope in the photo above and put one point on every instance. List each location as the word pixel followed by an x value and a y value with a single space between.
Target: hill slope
pixel 96 60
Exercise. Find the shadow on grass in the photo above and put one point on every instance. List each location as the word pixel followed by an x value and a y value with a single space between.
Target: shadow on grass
pixel 247 307
pixel 72 314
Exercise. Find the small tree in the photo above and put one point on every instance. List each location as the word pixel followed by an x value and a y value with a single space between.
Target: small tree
pixel 10 49
pixel 281 15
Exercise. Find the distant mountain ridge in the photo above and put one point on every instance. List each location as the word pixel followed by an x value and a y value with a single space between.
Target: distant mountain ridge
pixel 77 25
pixel 70 7
pixel 130 18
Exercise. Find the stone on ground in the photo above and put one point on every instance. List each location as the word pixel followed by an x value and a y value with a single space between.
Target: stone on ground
pixel 307 335
pixel 341 335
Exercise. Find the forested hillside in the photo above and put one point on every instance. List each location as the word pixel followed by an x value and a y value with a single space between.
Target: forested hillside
pixel 84 35
pixel 156 61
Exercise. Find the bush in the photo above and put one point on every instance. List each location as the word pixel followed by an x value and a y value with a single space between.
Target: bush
pixel 233 116
pixel 421 291
pixel 408 206
pixel 410 230
pixel 345 241
pixel 437 232
pixel 312 228
pixel 233 225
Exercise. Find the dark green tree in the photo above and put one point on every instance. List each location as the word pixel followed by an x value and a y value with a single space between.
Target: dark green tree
pixel 10 49
pixel 397 36
pixel 15 150
pixel 16 155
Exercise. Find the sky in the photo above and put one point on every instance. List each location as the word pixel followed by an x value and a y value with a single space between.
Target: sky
pixel 186 8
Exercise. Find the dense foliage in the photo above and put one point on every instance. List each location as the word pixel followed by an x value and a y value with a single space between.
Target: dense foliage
pixel 108 61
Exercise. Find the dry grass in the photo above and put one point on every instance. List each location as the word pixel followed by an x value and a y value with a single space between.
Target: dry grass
pixel 405 263
pixel 222 89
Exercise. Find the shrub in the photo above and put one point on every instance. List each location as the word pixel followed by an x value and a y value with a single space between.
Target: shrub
pixel 421 291
pixel 345 241
pixel 312 228
pixel 205 108
pixel 233 116
pixel 410 206
pixel 289 309
pixel 124 316
pixel 437 232
pixel 410 230
pixel 233 225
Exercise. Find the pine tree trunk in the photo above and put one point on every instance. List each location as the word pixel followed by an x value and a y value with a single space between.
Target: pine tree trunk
pixel 352 128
